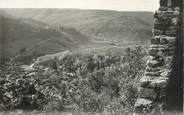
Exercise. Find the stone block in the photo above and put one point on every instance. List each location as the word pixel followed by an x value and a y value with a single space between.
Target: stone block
pixel 143 102
pixel 168 59
pixel 177 3
pixel 163 3
pixel 171 32
pixel 154 63
pixel 177 9
pixel 160 82
pixel 170 47
pixel 153 51
pixel 147 93
pixel 171 13
pixel 157 32
pixel 149 69
pixel 174 21
pixel 160 16
pixel 165 73
pixel 157 46
pixel 155 40
pixel 162 24
pixel 166 15
pixel 152 74
pixel 163 40
pixel 154 82
pixel 167 40
pixel 168 62
pixel 144 81
pixel 169 51
pixel 144 106
pixel 163 8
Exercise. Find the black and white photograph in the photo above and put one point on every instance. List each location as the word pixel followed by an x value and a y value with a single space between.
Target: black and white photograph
pixel 91 57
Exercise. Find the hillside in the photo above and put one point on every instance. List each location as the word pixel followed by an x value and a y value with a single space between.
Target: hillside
pixel 31 37
pixel 82 83
pixel 125 27
pixel 82 60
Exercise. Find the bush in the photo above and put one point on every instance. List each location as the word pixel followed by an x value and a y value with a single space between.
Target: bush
pixel 86 82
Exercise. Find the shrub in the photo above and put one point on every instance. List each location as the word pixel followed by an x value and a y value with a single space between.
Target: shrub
pixel 85 82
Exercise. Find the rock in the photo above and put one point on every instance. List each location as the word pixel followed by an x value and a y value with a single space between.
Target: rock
pixel 149 69
pixel 163 40
pixel 154 82
pixel 164 20
pixel 163 3
pixel 157 46
pixel 153 51
pixel 143 105
pixel 163 9
pixel 171 31
pixel 147 93
pixel 175 21
pixel 177 8
pixel 160 82
pixel 162 25
pixel 167 40
pixel 144 81
pixel 168 61
pixel 158 32
pixel 165 73
pixel 154 63
pixel 152 74
pixel 155 40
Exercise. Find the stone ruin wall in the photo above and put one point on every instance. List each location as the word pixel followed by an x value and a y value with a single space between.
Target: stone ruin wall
pixel 161 87
pixel 1 39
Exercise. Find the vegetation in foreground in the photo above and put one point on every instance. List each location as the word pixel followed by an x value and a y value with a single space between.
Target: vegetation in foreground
pixel 79 82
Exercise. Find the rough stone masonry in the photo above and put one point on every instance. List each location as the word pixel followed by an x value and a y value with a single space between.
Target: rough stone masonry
pixel 162 83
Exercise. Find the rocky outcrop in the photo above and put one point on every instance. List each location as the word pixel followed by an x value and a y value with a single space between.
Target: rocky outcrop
pixel 163 52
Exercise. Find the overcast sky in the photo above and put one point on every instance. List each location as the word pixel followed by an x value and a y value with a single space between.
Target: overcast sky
pixel 120 5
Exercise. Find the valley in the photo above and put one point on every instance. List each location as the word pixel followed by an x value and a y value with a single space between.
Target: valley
pixel 36 32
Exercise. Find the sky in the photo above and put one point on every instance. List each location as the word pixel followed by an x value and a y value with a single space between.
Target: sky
pixel 119 5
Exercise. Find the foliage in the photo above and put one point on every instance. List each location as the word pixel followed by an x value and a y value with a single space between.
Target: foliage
pixel 83 82
pixel 17 90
